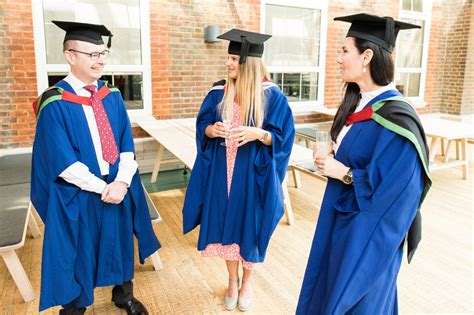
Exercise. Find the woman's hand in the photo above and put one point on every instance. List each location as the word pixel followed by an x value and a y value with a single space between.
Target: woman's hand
pixel 216 131
pixel 330 167
pixel 245 134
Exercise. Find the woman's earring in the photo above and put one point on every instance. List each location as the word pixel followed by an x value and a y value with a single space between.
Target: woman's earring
pixel 364 69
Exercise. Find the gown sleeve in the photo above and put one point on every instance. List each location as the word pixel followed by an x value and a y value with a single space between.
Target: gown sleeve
pixel 193 202
pixel 271 163
pixel 53 152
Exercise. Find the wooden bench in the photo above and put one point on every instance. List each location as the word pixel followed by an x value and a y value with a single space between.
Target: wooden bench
pixel 16 214
pixel 178 137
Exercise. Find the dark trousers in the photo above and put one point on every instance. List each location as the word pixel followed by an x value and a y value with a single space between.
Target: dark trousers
pixel 120 294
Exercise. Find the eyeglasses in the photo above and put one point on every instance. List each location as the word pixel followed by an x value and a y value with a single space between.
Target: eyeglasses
pixel 95 55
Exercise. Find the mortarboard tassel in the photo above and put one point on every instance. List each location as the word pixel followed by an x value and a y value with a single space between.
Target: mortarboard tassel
pixel 389 32
pixel 109 42
pixel 244 50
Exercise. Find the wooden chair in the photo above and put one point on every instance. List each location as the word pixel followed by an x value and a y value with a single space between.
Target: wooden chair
pixel 15 217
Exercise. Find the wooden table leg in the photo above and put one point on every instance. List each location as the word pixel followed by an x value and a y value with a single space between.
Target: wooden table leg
pixel 446 151
pixel 465 168
pixel 457 149
pixel 433 147
pixel 296 177
pixel 156 167
pixel 156 260
pixel 287 203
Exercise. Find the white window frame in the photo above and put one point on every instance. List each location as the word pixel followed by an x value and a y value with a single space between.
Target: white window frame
pixel 43 68
pixel 425 16
pixel 308 106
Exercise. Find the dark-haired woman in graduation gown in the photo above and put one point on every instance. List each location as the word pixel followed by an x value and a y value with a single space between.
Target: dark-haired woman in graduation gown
pixel 377 181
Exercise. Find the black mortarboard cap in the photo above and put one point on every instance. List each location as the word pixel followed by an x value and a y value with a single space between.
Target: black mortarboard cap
pixel 379 30
pixel 245 43
pixel 85 32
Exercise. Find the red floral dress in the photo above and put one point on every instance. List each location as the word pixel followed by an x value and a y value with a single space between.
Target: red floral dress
pixel 229 252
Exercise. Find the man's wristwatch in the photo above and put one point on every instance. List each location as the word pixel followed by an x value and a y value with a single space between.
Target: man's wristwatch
pixel 347 178
pixel 264 137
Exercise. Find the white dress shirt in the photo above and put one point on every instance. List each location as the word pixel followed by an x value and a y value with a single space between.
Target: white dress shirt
pixel 78 173
pixel 365 98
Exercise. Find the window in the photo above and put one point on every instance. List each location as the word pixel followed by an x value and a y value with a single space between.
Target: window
pixel 128 64
pixel 412 51
pixel 295 54
pixel 412 5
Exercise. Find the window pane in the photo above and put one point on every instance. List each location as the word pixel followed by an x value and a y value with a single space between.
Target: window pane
pixel 298 87
pixel 122 17
pixel 418 5
pixel 292 86
pixel 309 87
pixel 277 78
pixel 409 84
pixel 410 47
pixel 130 85
pixel 55 77
pixel 295 36
pixel 406 5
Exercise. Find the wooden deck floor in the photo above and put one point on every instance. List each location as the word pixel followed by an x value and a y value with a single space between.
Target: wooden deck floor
pixel 439 280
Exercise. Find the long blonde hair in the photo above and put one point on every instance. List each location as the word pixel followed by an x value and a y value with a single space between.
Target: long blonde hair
pixel 247 90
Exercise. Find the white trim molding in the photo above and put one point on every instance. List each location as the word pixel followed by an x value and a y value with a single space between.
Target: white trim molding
pixel 424 16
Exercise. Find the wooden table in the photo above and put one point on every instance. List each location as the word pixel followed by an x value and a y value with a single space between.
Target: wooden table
pixel 441 130
pixel 178 137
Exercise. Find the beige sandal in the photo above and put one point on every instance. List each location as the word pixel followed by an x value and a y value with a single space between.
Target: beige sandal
pixel 230 303
pixel 245 303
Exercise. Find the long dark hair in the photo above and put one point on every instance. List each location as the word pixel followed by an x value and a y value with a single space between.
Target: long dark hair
pixel 381 70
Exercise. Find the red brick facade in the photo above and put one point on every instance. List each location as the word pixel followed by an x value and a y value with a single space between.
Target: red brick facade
pixel 184 66
pixel 17 74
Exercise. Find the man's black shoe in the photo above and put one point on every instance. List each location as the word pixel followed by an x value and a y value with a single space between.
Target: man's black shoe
pixel 133 307
pixel 72 311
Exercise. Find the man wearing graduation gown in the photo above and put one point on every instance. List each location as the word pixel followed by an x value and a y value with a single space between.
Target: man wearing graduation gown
pixel 250 213
pixel 366 219
pixel 85 183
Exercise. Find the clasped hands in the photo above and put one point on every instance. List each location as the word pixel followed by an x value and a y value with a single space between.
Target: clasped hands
pixel 114 192
pixel 241 135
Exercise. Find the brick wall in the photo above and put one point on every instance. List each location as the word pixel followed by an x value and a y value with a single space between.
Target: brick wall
pixel 436 56
pixel 450 74
pixel 467 101
pixel 17 74
pixel 454 16
pixel 183 65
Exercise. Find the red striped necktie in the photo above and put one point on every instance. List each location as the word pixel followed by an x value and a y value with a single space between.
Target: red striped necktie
pixel 107 140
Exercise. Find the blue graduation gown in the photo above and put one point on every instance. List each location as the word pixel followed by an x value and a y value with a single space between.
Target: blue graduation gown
pixel 255 204
pixel 358 244
pixel 87 242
